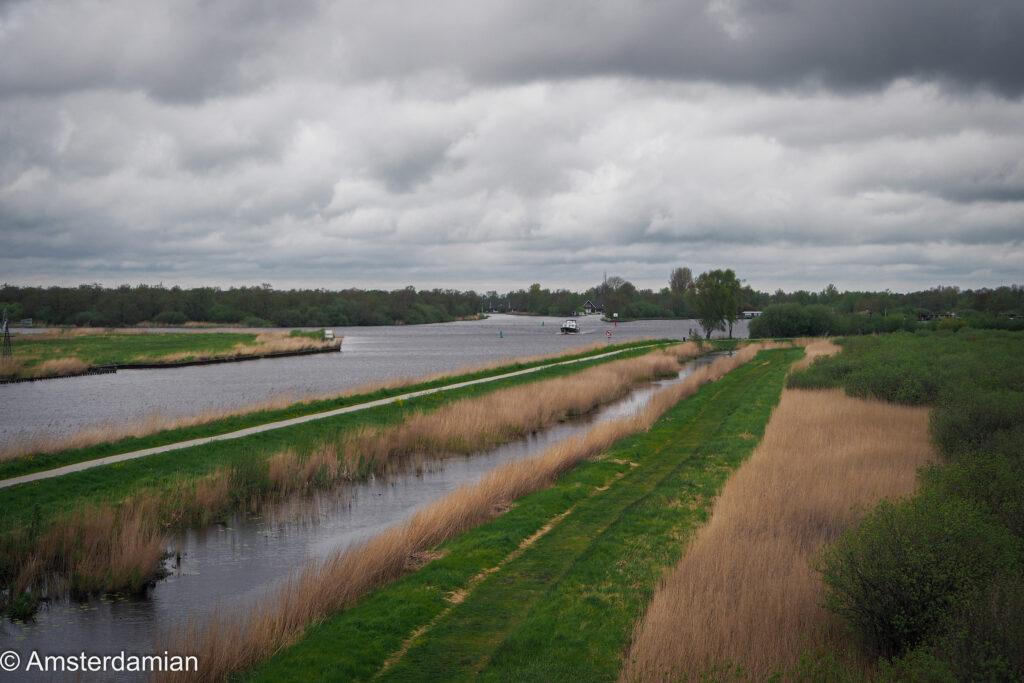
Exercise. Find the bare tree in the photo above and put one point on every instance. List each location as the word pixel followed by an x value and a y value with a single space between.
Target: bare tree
pixel 680 280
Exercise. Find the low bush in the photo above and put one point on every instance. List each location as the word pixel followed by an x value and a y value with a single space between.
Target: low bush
pixel 972 420
pixel 794 320
pixel 909 567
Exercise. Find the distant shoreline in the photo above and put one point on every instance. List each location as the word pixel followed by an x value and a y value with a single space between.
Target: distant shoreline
pixel 111 369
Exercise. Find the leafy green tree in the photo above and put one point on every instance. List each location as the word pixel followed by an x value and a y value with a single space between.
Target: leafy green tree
pixel 716 298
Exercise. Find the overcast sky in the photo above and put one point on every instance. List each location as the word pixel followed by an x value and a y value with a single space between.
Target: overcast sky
pixel 480 144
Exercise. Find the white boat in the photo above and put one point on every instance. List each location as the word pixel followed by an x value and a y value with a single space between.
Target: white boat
pixel 570 327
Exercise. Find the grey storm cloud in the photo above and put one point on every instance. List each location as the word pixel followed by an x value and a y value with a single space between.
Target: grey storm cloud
pixel 766 42
pixel 191 49
pixel 484 144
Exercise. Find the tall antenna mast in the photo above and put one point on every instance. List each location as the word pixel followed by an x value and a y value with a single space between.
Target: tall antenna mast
pixel 7 352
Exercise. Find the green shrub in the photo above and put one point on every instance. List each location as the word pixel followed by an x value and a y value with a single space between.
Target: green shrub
pixel 22 605
pixel 971 419
pixel 992 481
pixel 985 640
pixel 794 320
pixel 899 576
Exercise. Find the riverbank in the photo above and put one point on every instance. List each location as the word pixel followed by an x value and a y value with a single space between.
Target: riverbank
pixel 552 585
pixel 269 426
pixel 121 511
pixel 150 432
pixel 71 353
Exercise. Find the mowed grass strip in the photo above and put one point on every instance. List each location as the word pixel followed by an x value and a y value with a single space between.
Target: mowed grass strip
pixel 563 608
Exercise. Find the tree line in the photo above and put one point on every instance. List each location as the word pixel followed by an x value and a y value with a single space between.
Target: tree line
pixel 262 306
pixel 716 298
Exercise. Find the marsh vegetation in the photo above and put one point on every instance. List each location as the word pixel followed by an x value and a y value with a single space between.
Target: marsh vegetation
pixel 104 529
pixel 73 351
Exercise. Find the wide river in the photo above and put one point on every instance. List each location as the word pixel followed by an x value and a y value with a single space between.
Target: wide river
pixel 59 407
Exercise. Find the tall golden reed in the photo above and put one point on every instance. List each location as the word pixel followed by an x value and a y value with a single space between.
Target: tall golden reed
pixel 234 639
pixel 744 593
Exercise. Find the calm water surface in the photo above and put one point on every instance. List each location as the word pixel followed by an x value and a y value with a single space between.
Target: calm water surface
pixel 234 564
pixel 60 407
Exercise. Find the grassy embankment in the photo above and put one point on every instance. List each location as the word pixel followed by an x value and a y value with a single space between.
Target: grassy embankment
pixel 70 352
pixel 550 588
pixel 103 529
pixel 21 458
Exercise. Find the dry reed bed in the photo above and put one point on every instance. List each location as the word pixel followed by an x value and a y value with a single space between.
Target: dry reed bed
pixel 158 422
pixel 14 367
pixel 234 639
pixel 745 592
pixel 264 343
pixel 114 546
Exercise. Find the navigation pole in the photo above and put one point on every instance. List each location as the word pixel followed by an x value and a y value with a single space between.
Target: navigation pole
pixel 7 352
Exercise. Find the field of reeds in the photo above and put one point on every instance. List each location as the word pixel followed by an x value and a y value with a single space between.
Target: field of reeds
pixel 933 584
pixel 631 496
pixel 70 352
pixel 802 575
pixel 745 594
pixel 110 535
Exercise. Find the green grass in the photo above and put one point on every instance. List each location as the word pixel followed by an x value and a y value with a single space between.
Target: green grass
pixel 112 348
pixel 563 609
pixel 42 500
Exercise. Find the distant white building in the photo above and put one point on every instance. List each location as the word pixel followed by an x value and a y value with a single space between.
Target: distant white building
pixel 751 314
